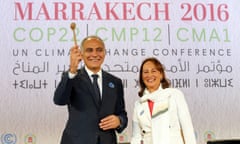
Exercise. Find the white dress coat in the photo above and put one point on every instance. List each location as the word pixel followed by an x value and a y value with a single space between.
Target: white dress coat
pixel 170 120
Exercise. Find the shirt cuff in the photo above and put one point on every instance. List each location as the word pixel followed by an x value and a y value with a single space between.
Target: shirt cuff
pixel 71 75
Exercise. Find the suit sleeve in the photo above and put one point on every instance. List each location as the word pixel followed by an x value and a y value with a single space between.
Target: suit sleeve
pixel 121 111
pixel 63 90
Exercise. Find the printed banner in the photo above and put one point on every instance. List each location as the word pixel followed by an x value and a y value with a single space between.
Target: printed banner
pixel 197 41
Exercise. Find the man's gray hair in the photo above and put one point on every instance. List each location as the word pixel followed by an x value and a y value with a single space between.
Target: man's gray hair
pixel 91 37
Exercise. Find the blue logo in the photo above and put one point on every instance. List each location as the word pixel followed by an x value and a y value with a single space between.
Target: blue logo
pixel 142 112
pixel 8 138
pixel 111 85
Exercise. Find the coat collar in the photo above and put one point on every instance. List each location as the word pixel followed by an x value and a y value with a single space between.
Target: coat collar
pixel 154 96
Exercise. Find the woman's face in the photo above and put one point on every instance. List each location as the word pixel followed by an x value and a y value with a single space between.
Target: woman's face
pixel 151 76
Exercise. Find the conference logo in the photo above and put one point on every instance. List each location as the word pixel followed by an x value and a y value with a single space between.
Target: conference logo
pixel 30 139
pixel 8 138
pixel 122 137
pixel 209 135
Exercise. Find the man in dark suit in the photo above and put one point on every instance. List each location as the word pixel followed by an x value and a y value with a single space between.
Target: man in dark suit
pixel 92 119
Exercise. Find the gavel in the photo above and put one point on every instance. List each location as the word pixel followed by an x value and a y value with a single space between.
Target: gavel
pixel 73 27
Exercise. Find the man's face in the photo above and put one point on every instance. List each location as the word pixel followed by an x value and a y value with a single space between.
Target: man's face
pixel 93 54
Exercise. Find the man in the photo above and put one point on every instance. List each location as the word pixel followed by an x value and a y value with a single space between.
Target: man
pixel 92 120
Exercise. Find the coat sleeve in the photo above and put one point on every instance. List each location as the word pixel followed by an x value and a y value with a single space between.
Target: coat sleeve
pixel 185 119
pixel 136 129
pixel 63 90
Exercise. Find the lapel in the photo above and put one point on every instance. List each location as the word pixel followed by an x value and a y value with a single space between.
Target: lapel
pixel 105 86
pixel 104 83
pixel 109 92
pixel 88 83
pixel 144 114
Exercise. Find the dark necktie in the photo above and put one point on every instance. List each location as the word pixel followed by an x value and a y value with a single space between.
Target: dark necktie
pixel 96 88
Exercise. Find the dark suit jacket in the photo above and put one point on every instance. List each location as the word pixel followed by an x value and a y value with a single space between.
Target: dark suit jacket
pixel 84 112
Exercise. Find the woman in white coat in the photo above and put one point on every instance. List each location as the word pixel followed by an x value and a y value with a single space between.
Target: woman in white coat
pixel 169 120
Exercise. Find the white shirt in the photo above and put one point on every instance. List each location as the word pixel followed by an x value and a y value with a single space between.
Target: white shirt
pixel 89 72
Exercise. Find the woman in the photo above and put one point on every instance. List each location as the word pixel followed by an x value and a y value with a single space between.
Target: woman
pixel 169 121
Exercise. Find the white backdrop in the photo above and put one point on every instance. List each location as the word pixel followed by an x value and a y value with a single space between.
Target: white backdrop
pixel 197 41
